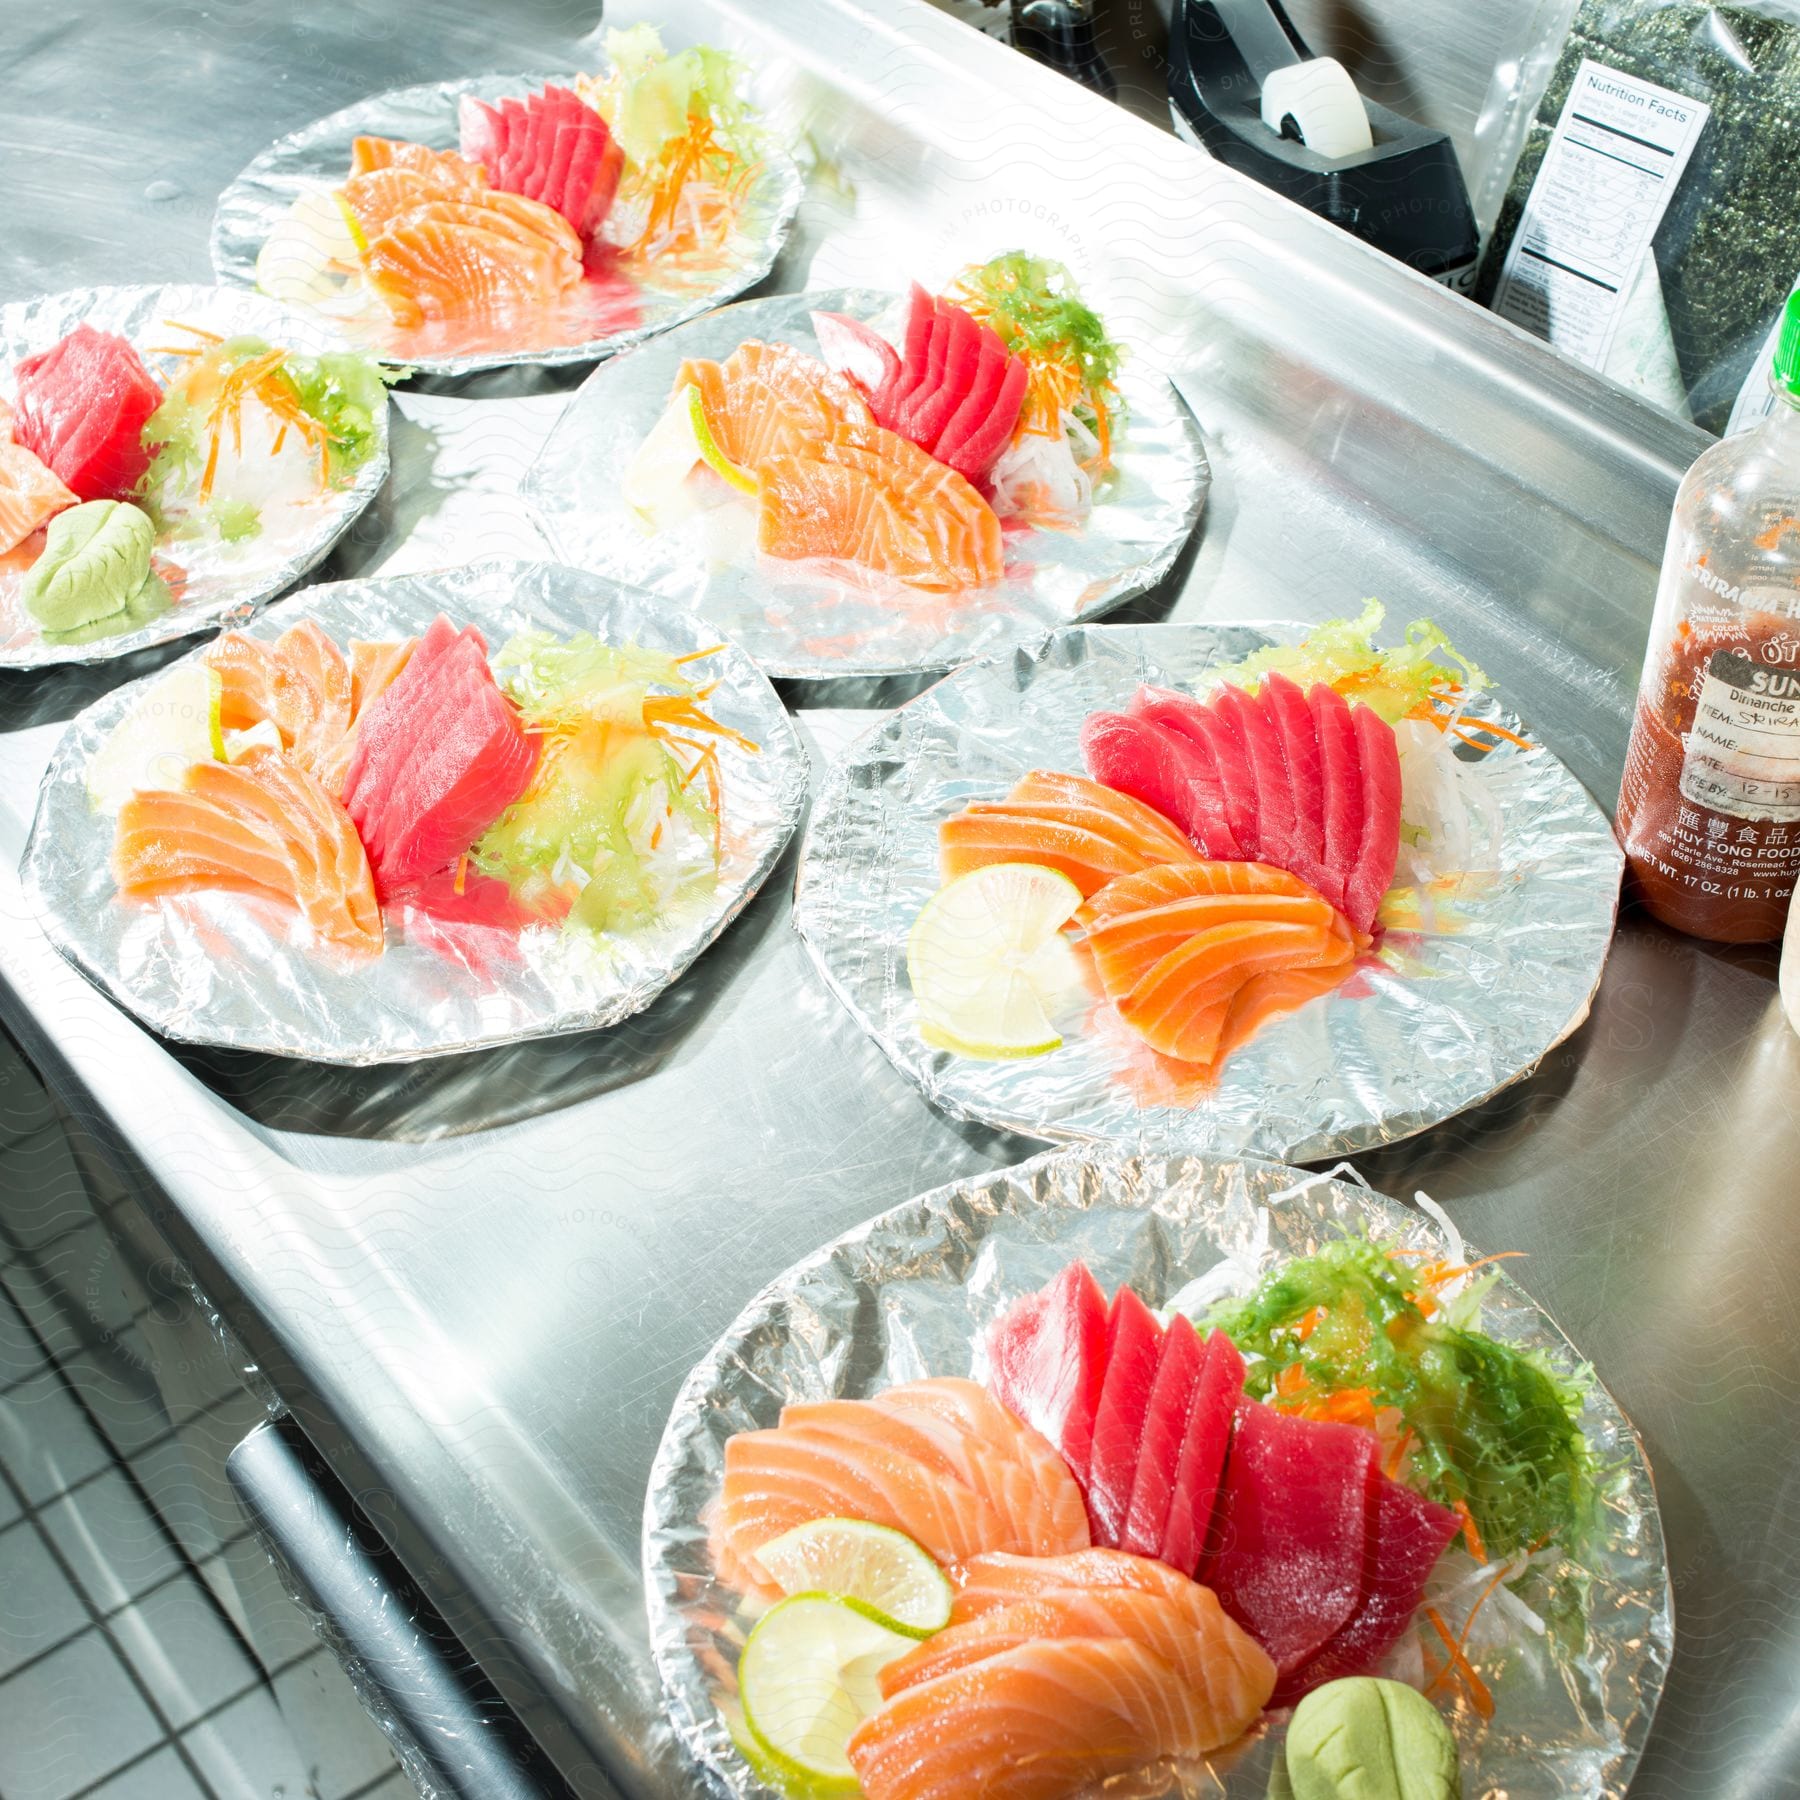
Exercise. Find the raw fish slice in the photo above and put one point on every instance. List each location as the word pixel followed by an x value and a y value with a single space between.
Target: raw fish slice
pixel 448 258
pixel 311 694
pixel 922 384
pixel 378 198
pixel 856 351
pixel 1411 1533
pixel 374 668
pixel 1086 846
pixel 775 1480
pixel 551 147
pixel 975 1413
pixel 1127 946
pixel 262 827
pixel 384 724
pixel 1297 1530
pixel 921 324
pixel 1266 997
pixel 1158 838
pixel 1165 1424
pixel 1000 1579
pixel 1209 1654
pixel 1133 1349
pixel 246 669
pixel 1340 783
pixel 1043 1721
pixel 1207 971
pixel 1287 710
pixel 977 453
pixel 1208 818
pixel 958 443
pixel 1047 1359
pixel 1189 1539
pixel 1162 768
pixel 1379 847
pixel 30 492
pixel 81 407
pixel 1161 886
pixel 770 400
pixel 444 166
pixel 1236 781
pixel 955 377
pixel 1246 721
pixel 870 499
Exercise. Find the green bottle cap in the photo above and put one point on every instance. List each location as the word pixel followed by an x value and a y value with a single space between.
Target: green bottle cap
pixel 1786 369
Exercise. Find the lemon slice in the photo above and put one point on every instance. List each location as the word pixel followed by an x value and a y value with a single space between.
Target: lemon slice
pixel 988 961
pixel 173 725
pixel 311 246
pixel 874 1564
pixel 809 1675
pixel 655 483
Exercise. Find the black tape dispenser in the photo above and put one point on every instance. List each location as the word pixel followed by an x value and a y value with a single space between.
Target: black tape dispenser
pixel 1243 84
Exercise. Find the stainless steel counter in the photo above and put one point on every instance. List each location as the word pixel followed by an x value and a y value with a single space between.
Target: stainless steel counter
pixel 479 1282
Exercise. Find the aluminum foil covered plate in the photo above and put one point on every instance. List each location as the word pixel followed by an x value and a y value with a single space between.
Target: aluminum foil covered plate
pixel 210 968
pixel 607 312
pixel 212 581
pixel 1458 1001
pixel 812 626
pixel 910 1294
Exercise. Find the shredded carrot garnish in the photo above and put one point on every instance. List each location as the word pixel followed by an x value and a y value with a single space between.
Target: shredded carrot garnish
pixel 462 872
pixel 695 656
pixel 1308 1322
pixel 1396 1458
pixel 1471 1536
pixel 1291 1381
pixel 1479 1696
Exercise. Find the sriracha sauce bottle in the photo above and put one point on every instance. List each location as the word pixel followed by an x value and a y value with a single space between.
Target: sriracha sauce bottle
pixel 1709 812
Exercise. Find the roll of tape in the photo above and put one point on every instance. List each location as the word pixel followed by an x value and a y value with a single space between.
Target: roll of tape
pixel 1322 100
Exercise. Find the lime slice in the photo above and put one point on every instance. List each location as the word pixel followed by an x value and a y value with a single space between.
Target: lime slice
pixel 173 725
pixel 809 1675
pixel 310 247
pixel 881 1567
pixel 988 961
pixel 655 483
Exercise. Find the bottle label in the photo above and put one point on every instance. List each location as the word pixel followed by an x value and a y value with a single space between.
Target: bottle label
pixel 1606 180
pixel 1743 753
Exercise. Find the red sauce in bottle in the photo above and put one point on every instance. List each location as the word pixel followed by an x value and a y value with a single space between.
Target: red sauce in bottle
pixel 1723 870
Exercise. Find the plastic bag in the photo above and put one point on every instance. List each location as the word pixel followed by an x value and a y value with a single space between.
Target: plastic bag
pixel 1688 324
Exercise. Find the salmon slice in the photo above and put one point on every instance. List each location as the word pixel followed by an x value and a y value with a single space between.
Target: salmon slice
pixel 262 827
pixel 868 498
pixel 1191 1632
pixel 1037 1722
pixel 373 667
pixel 30 491
pixel 444 166
pixel 1163 884
pixel 1138 823
pixel 1209 969
pixel 301 684
pixel 1127 946
pixel 1266 997
pixel 896 1464
pixel 768 400
pixel 999 1579
pixel 485 252
pixel 970 1408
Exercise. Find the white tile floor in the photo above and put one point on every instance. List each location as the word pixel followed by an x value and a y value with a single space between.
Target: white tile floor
pixel 147 1650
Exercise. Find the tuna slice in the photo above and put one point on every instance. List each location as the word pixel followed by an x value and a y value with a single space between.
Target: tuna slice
pixel 1252 728
pixel 1047 1360
pixel 1340 790
pixel 1292 718
pixel 953 389
pixel 437 759
pixel 1378 756
pixel 1411 1533
pixel 1159 1451
pixel 1165 769
pixel 81 409
pixel 1133 1349
pixel 550 147
pixel 1209 820
pixel 1206 1437
pixel 1296 1530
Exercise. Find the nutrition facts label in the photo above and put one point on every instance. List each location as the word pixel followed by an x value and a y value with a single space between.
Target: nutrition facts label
pixel 1743 753
pixel 1607 178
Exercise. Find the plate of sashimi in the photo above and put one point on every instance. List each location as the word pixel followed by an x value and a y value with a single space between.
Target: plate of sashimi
pixel 509 219
pixel 852 482
pixel 1279 891
pixel 1159 1477
pixel 414 816
pixel 169 455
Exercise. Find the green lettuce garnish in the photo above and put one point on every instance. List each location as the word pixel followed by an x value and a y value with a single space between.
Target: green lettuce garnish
pixel 608 786
pixel 1494 1427
pixel 648 98
pixel 1426 674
